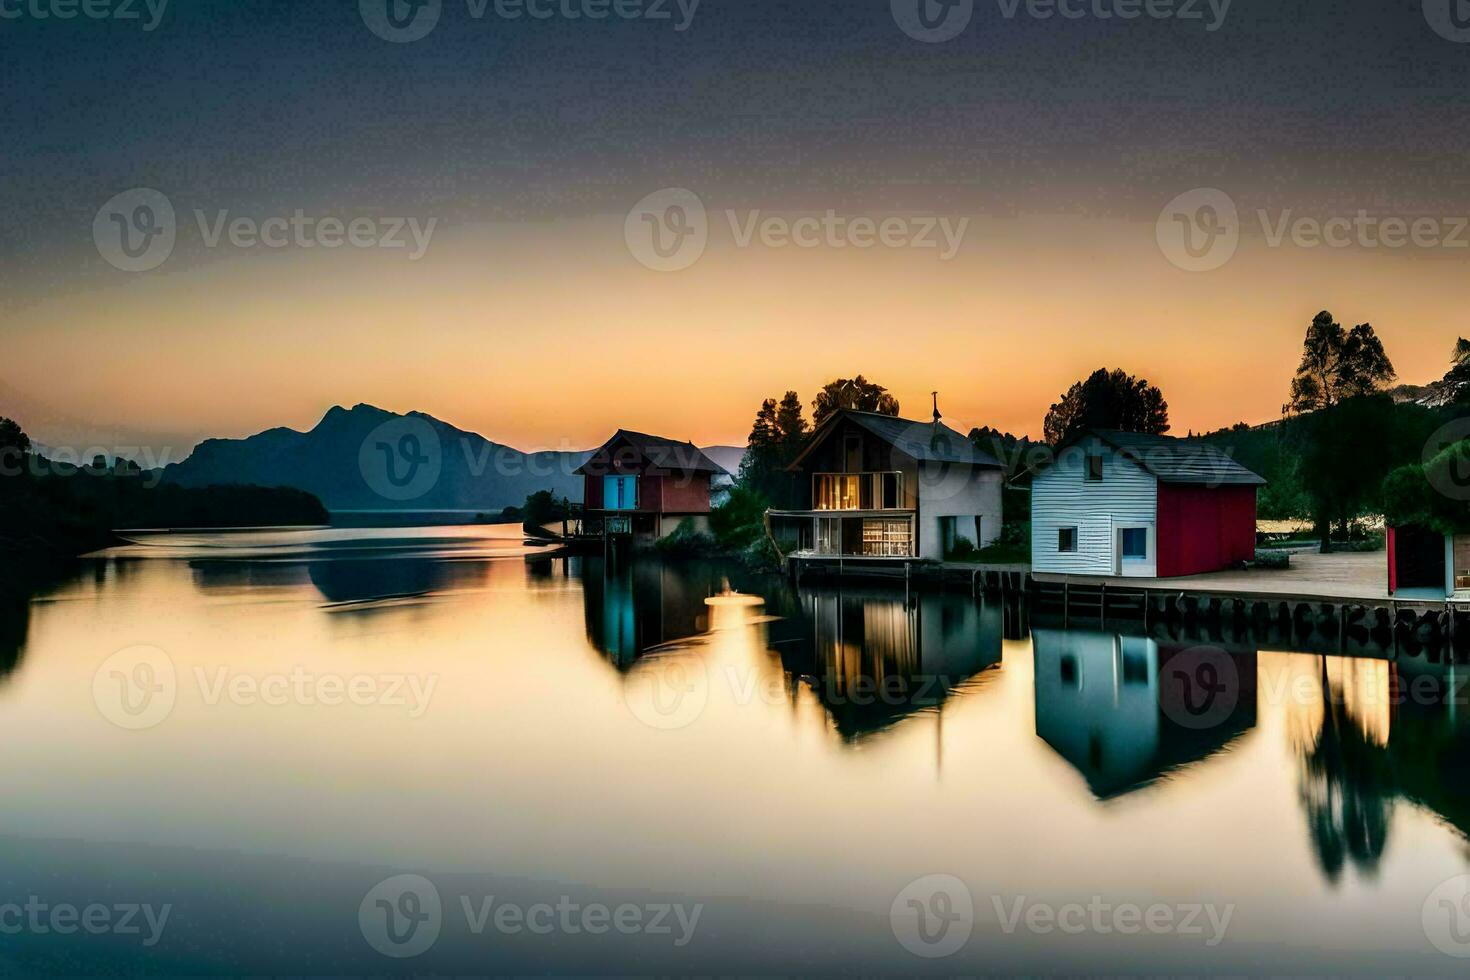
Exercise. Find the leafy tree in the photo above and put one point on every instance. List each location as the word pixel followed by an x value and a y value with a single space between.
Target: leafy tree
pixel 1347 450
pixel 1459 377
pixel 791 427
pixel 858 394
pixel 776 438
pixel 1338 364
pixel 1107 400
pixel 740 521
pixel 12 438
pixel 1430 494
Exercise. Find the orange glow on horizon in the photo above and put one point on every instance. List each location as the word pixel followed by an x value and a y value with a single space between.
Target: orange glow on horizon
pixel 552 336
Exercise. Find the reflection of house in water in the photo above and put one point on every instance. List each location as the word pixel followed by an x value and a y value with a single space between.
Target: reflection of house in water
pixel 873 659
pixel 634 607
pixel 1102 702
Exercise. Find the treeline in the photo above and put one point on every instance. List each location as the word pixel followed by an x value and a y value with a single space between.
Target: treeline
pixel 1343 434
pixel 53 509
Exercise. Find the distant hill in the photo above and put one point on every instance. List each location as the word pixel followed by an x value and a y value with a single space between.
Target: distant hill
pixel 728 457
pixel 1436 394
pixel 367 458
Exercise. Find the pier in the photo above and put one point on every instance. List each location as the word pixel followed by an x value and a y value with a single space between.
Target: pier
pixel 1336 603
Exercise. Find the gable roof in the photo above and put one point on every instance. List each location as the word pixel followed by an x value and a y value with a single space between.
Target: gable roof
pixel 1172 460
pixel 665 454
pixel 927 442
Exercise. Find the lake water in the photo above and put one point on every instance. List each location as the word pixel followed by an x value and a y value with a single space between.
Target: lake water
pixel 440 751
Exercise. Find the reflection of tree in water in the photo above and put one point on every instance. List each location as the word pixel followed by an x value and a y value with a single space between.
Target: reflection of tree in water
pixel 1347 788
pixel 19 584
pixel 15 623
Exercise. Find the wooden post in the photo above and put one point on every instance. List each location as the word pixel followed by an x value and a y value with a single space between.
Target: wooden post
pixel 1102 606
pixel 1066 603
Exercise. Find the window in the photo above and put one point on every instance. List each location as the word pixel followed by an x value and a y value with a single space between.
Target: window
pixel 890 491
pixel 619 493
pixel 1094 469
pixel 857 491
pixel 1135 544
pixel 889 539
pixel 1067 540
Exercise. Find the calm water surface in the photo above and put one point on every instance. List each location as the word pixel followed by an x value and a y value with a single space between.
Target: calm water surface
pixel 257 729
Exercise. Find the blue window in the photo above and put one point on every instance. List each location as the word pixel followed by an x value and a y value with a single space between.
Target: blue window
pixel 619 493
pixel 1135 544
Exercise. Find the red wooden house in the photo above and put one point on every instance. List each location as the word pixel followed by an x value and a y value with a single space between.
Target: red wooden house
pixel 1124 503
pixel 646 486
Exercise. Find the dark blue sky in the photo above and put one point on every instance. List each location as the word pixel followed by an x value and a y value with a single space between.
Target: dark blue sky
pixel 273 100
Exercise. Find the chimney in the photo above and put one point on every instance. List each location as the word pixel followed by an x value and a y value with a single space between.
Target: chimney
pixel 934 429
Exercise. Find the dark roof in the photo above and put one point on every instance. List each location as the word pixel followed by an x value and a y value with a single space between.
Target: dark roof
pixel 666 454
pixel 1177 461
pixel 927 442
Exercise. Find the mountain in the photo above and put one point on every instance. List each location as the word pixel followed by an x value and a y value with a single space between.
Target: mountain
pixel 367 458
pixel 728 457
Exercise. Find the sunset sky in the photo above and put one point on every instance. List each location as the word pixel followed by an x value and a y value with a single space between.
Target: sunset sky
pixel 529 319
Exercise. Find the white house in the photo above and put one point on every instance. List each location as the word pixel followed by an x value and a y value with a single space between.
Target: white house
pixel 1116 503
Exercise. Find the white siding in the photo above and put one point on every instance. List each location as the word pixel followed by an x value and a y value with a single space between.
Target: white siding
pixel 1062 496
pixel 952 490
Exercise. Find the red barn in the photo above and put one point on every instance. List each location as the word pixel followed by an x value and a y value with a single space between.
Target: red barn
pixel 1125 503
pixel 646 486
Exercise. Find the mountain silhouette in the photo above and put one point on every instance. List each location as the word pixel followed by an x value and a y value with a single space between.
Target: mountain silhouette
pixel 367 458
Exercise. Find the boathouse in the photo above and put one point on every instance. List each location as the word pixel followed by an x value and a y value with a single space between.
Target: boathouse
pixel 1111 503
pixel 645 486
pixel 879 487
pixel 1426 563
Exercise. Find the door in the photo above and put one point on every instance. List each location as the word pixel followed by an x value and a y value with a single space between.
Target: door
pixel 1135 551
